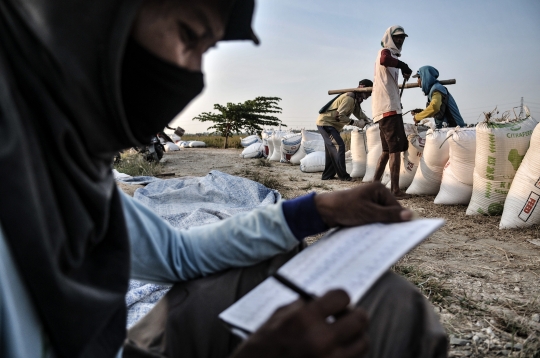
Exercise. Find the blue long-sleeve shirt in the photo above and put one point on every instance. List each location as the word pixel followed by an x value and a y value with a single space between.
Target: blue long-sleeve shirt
pixel 162 254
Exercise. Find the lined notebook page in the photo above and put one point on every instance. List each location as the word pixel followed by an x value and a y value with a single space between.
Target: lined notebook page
pixel 351 259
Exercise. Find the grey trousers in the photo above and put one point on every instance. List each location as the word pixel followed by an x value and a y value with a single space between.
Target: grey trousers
pixel 334 158
pixel 185 322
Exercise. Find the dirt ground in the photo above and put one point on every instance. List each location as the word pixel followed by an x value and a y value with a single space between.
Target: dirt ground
pixel 483 282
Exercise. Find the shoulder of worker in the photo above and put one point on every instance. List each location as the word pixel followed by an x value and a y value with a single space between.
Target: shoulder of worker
pixel 388 52
pixel 437 87
pixel 348 100
pixel 344 98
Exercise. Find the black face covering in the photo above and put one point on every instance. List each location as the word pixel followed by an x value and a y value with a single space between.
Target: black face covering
pixel 154 91
pixel 65 77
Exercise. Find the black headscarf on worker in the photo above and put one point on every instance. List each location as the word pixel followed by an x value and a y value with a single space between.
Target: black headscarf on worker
pixel 64 111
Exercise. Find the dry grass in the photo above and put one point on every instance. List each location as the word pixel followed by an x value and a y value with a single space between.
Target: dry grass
pixel 134 164
pixel 215 141
pixel 262 162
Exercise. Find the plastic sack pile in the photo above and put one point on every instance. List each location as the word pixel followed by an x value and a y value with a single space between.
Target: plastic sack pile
pixel 493 168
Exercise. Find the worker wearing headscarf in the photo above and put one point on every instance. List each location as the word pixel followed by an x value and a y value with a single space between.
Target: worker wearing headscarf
pixel 441 104
pixel 79 81
pixel 386 105
pixel 75 87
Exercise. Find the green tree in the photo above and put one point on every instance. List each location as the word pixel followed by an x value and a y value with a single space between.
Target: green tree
pixel 249 116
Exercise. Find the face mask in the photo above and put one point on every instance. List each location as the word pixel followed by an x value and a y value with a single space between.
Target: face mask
pixel 154 91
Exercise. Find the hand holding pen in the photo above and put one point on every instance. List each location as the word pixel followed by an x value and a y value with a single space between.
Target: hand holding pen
pixel 303 329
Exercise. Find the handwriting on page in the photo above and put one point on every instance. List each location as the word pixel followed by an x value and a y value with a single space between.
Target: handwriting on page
pixel 351 259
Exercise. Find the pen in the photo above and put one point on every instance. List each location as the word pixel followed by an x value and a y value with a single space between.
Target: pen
pixel 306 296
pixel 285 282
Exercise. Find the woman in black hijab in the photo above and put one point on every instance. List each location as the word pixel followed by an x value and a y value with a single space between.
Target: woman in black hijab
pixel 79 89
pixel 81 80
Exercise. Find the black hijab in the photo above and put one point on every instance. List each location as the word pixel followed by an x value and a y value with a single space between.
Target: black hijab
pixel 62 118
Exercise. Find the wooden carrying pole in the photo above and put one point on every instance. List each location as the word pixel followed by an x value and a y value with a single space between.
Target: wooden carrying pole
pixel 369 89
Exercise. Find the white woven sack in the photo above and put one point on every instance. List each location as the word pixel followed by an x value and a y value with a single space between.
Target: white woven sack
pixel 265 134
pixel 311 146
pixel 428 176
pixel 410 161
pixel 385 180
pixel 299 155
pixel 457 180
pixel 307 135
pixel 275 139
pixel 270 144
pixel 171 147
pixel 348 162
pixel 175 138
pixel 253 151
pixel 183 144
pixel 301 152
pixel 249 140
pixel 289 146
pixel 521 208
pixel 358 152
pixel 374 150
pixel 500 148
pixel 197 144
pixel 313 162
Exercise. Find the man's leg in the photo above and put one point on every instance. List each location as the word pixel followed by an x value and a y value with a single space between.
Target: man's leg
pixel 185 322
pixel 381 165
pixel 329 169
pixel 394 141
pixel 341 169
pixel 395 166
pixel 402 322
pixel 383 159
pixel 332 154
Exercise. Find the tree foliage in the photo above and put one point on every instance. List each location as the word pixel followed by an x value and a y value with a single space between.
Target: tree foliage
pixel 249 116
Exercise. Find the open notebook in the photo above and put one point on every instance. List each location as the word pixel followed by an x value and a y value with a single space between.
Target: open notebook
pixel 351 259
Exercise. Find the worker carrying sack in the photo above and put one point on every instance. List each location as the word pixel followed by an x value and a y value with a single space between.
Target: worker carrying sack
pixel 457 181
pixel 521 208
pixel 501 145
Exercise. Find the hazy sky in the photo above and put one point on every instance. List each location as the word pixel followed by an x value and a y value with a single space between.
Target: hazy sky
pixel 492 49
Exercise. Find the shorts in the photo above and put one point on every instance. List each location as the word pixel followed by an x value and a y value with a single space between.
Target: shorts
pixel 393 137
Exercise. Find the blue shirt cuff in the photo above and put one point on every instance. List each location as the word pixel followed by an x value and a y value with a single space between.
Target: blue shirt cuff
pixel 302 217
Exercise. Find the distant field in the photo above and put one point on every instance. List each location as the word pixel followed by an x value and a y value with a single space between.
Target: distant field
pixel 215 141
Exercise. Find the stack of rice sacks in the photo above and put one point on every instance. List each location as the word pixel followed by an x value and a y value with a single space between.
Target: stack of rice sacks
pixel 290 144
pixel 457 181
pixel 500 148
pixel 374 150
pixel 358 152
pixel 521 207
pixel 310 138
pixel 427 179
